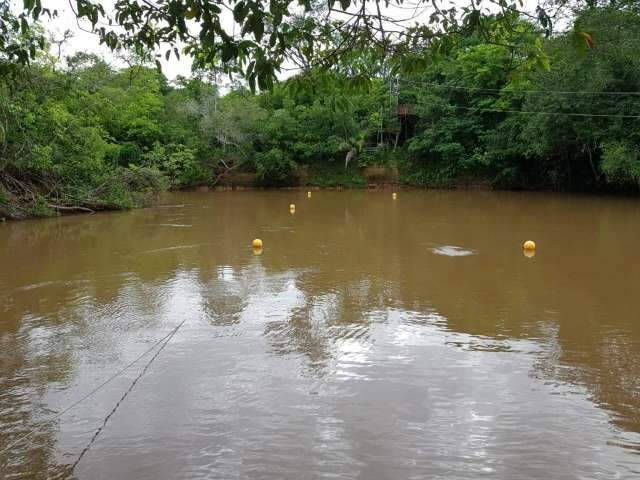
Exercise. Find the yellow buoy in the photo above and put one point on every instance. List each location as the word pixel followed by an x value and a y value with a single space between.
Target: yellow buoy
pixel 292 207
pixel 257 250
pixel 308 194
pixel 394 195
pixel 257 243
pixel 529 245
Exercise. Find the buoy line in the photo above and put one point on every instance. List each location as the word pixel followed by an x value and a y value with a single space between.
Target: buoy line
pixel 166 338
pixel 127 392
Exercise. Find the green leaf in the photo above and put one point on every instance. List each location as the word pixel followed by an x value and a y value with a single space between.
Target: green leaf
pixel 239 12
pixel 228 52
pixel 258 27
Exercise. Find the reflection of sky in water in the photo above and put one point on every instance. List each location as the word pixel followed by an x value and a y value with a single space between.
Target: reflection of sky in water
pixel 394 386
pixel 395 391
pixel 390 390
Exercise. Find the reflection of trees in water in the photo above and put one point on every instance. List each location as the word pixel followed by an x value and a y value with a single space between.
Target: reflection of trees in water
pixel 25 375
pixel 250 297
pixel 589 340
pixel 302 333
pixel 333 312
pixel 616 354
pixel 43 348
pixel 300 311
pixel 605 362
pixel 225 291
pixel 43 355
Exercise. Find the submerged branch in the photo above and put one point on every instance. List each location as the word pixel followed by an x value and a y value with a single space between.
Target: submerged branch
pixel 71 208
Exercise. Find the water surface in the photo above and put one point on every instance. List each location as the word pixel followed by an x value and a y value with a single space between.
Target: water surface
pixel 372 338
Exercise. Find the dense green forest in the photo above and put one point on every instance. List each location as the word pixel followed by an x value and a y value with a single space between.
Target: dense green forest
pixel 564 114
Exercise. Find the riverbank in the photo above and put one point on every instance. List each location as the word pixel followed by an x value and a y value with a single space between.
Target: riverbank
pixel 35 203
pixel 25 196
pixel 141 189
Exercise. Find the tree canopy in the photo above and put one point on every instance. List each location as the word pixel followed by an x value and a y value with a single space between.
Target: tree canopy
pixel 258 39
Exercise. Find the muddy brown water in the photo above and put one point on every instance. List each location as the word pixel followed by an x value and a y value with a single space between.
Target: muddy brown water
pixel 372 338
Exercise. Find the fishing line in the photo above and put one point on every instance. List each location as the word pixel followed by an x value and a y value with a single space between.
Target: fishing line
pixel 133 384
pixel 92 392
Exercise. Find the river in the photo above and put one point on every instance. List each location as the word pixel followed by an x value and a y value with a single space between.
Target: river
pixel 371 339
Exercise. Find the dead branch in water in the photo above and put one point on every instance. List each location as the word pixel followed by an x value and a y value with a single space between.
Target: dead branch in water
pixel 226 171
pixel 72 208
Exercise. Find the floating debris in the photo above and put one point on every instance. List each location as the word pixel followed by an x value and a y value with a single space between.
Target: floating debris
pixel 452 251
pixel 182 225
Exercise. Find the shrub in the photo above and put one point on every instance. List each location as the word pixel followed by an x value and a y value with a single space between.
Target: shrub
pixel 125 155
pixel 40 207
pixel 274 167
pixel 621 164
pixel 178 163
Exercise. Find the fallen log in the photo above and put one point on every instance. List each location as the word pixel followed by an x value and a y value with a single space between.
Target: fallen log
pixel 72 208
